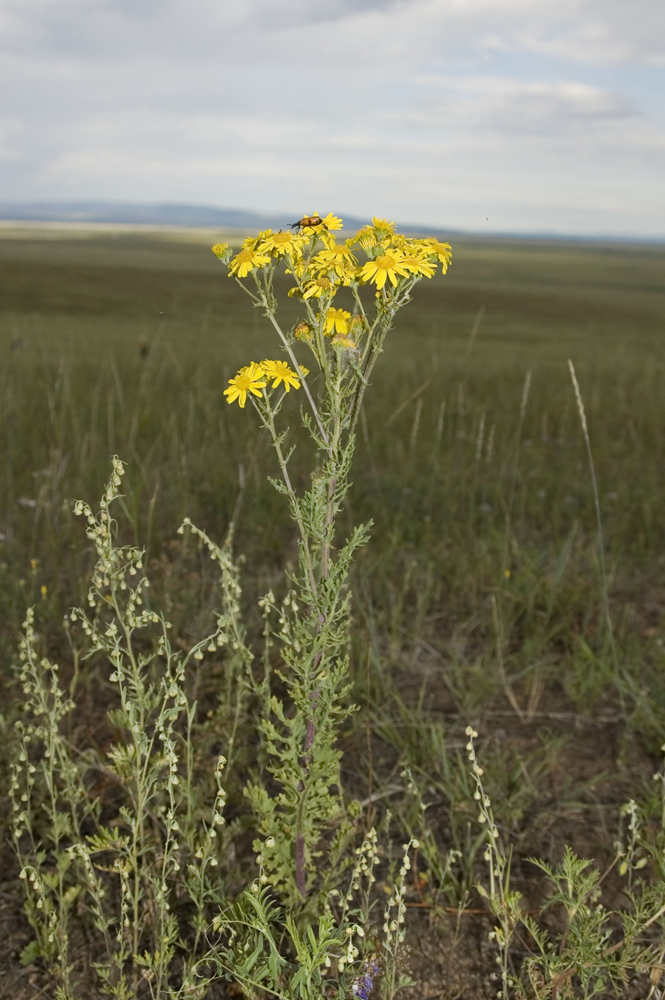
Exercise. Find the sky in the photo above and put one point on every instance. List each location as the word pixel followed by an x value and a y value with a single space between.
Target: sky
pixel 520 116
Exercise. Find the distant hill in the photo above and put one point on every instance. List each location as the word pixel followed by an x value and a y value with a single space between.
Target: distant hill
pixel 175 215
pixel 165 214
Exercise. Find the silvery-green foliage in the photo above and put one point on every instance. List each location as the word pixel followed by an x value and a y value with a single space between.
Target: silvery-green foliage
pixel 598 950
pixel 127 874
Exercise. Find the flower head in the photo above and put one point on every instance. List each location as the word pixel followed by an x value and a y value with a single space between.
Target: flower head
pixel 246 261
pixel 249 379
pixel 302 331
pixel 222 251
pixel 383 226
pixel 366 237
pixel 441 251
pixel 318 287
pixel 331 221
pixel 388 265
pixel 282 243
pixel 356 325
pixel 251 242
pixel 336 258
pixel 280 372
pixel 337 320
pixel 343 340
pixel 418 265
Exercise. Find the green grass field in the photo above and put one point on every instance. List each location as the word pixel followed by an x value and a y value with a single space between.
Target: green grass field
pixel 479 599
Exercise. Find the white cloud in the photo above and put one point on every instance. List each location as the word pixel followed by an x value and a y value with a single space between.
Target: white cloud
pixel 605 33
pixel 515 107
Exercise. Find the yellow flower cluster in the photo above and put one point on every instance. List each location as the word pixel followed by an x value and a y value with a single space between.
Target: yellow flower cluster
pixel 254 378
pixel 321 265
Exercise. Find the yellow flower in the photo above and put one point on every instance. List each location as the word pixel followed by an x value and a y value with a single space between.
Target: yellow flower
pixel 280 372
pixel 440 250
pixel 382 231
pixel 251 242
pixel 336 258
pixel 222 251
pixel 388 265
pixel 395 241
pixel 249 379
pixel 284 243
pixel 332 222
pixel 246 261
pixel 366 237
pixel 347 272
pixel 383 225
pixel 43 590
pixel 337 320
pixel 303 331
pixel 418 265
pixel 318 287
pixel 340 340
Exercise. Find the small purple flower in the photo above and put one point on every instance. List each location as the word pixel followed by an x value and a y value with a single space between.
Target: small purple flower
pixel 362 985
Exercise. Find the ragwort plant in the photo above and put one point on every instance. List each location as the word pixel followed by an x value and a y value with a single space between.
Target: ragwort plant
pixel 304 815
pixel 308 819
pixel 149 880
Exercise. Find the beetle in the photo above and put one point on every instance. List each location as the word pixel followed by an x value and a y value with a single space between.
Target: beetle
pixel 308 222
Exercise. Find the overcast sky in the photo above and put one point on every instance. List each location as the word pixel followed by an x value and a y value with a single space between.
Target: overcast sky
pixel 486 115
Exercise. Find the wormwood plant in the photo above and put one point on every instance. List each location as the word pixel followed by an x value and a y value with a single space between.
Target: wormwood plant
pixel 598 951
pixel 129 871
pixel 146 873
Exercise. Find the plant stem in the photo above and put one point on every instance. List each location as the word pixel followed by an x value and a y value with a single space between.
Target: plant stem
pixel 599 528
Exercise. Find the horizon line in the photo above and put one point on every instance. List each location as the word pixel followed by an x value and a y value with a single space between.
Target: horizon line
pixel 240 219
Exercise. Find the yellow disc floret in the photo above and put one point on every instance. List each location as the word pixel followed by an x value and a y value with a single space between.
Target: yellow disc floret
pixel 320 286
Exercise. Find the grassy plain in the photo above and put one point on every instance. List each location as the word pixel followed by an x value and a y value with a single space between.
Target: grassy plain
pixel 479 599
